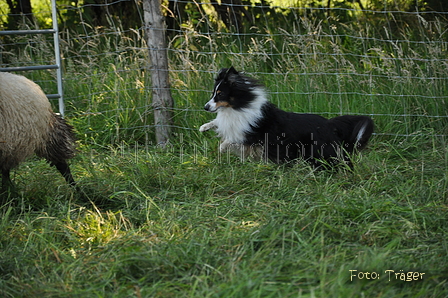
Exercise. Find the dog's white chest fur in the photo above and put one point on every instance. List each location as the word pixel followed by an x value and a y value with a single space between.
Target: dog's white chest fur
pixel 232 125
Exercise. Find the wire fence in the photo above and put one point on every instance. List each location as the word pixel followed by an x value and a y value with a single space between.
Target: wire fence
pixel 387 63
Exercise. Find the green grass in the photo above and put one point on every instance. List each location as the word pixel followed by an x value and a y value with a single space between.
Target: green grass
pixel 402 85
pixel 154 223
pixel 186 222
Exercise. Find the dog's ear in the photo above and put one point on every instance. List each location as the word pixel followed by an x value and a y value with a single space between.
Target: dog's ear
pixel 231 75
pixel 222 72
pixel 228 74
pixel 231 70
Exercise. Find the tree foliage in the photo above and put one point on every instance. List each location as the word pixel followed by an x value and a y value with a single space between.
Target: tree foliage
pixel 224 14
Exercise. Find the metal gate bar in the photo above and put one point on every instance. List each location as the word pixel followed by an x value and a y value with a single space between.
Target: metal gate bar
pixel 57 65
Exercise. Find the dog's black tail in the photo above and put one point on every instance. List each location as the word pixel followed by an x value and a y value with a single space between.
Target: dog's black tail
pixel 353 131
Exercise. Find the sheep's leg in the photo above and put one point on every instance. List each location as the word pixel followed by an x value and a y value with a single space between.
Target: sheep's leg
pixel 64 169
pixel 6 180
pixel 7 187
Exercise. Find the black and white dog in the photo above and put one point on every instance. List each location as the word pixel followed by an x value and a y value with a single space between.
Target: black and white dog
pixel 250 125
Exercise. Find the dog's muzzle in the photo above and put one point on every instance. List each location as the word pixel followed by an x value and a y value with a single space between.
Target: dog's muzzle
pixel 210 106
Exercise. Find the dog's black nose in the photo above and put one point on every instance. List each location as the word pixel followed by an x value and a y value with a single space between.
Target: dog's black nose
pixel 207 107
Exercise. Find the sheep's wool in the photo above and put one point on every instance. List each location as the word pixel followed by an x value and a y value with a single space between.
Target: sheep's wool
pixel 25 119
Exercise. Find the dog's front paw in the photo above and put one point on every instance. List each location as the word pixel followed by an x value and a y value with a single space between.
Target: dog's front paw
pixel 206 126
pixel 224 146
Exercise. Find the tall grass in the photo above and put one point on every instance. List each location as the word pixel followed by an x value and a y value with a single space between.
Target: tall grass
pixel 319 66
pixel 322 68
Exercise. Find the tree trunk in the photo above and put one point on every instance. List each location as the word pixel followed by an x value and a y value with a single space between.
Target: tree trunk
pixel 162 101
pixel 18 9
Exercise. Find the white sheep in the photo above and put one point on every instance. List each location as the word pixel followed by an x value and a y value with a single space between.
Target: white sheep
pixel 28 125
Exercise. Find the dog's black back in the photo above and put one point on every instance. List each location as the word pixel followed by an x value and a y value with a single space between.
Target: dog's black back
pixel 287 136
